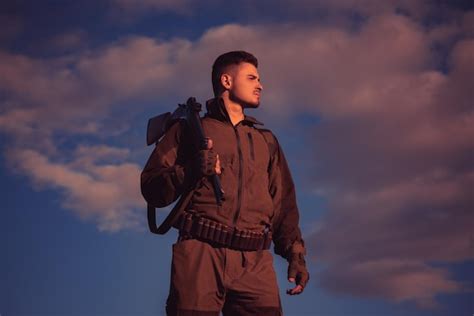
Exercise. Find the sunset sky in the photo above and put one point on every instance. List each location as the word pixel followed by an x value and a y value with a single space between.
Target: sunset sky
pixel 371 100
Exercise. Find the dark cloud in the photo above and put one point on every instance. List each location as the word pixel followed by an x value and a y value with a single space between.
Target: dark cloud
pixel 140 6
pixel 69 41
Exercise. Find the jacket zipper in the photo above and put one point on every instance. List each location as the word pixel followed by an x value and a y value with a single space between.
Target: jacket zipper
pixel 239 190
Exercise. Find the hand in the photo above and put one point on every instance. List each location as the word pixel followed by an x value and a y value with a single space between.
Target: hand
pixel 209 162
pixel 298 273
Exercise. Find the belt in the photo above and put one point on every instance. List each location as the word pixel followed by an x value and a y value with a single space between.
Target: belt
pixel 193 226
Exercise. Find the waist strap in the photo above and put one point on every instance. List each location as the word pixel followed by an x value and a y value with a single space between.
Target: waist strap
pixel 194 226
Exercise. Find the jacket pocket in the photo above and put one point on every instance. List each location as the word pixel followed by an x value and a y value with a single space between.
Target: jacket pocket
pixel 251 146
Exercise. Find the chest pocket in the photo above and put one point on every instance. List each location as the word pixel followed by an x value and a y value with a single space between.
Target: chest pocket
pixel 251 146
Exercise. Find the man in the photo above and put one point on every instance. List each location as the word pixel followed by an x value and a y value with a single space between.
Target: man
pixel 221 260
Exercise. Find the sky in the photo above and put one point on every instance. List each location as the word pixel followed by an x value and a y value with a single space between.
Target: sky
pixel 371 102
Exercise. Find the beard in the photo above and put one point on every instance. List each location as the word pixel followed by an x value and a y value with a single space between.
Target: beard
pixel 252 105
pixel 246 104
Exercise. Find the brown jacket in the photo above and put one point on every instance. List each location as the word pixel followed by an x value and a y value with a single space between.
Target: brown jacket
pixel 259 190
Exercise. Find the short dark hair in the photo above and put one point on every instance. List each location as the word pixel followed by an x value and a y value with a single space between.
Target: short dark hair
pixel 226 60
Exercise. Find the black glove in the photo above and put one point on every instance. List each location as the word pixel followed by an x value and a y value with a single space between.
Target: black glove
pixel 297 271
pixel 207 160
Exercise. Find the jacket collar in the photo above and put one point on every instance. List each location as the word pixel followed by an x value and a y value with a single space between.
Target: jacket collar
pixel 216 109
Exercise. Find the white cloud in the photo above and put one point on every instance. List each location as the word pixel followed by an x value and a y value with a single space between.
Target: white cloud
pixel 106 193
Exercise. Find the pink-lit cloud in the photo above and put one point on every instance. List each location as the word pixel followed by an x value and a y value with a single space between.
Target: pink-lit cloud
pixel 397 279
pixel 394 156
pixel 106 193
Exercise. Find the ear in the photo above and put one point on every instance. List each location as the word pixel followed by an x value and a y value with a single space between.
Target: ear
pixel 226 81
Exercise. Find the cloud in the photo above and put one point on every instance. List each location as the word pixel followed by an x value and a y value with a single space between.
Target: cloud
pixel 399 280
pixel 63 93
pixel 132 8
pixel 391 153
pixel 68 41
pixel 365 7
pixel 106 193
pixel 134 66
pixel 49 104
pixel 11 26
pixel 393 156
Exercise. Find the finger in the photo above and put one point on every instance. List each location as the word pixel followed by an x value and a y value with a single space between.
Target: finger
pixel 292 271
pixel 218 165
pixel 294 291
pixel 209 143
pixel 302 278
pixel 292 280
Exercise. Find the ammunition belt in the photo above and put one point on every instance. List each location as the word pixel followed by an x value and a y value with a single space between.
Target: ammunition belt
pixel 193 226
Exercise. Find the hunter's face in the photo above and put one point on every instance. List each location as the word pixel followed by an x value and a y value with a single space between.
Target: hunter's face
pixel 246 88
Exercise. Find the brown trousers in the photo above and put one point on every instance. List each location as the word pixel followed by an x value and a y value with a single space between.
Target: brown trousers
pixel 207 279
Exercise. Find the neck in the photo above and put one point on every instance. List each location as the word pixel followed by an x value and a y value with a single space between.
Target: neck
pixel 234 109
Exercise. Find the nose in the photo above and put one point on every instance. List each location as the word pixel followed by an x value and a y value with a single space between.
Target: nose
pixel 259 86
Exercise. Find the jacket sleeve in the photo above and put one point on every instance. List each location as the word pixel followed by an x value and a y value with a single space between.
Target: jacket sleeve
pixel 286 229
pixel 167 171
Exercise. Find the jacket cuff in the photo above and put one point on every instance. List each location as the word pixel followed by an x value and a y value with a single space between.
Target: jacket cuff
pixel 296 247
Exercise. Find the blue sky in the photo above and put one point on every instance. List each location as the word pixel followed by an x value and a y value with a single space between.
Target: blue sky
pixel 371 101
